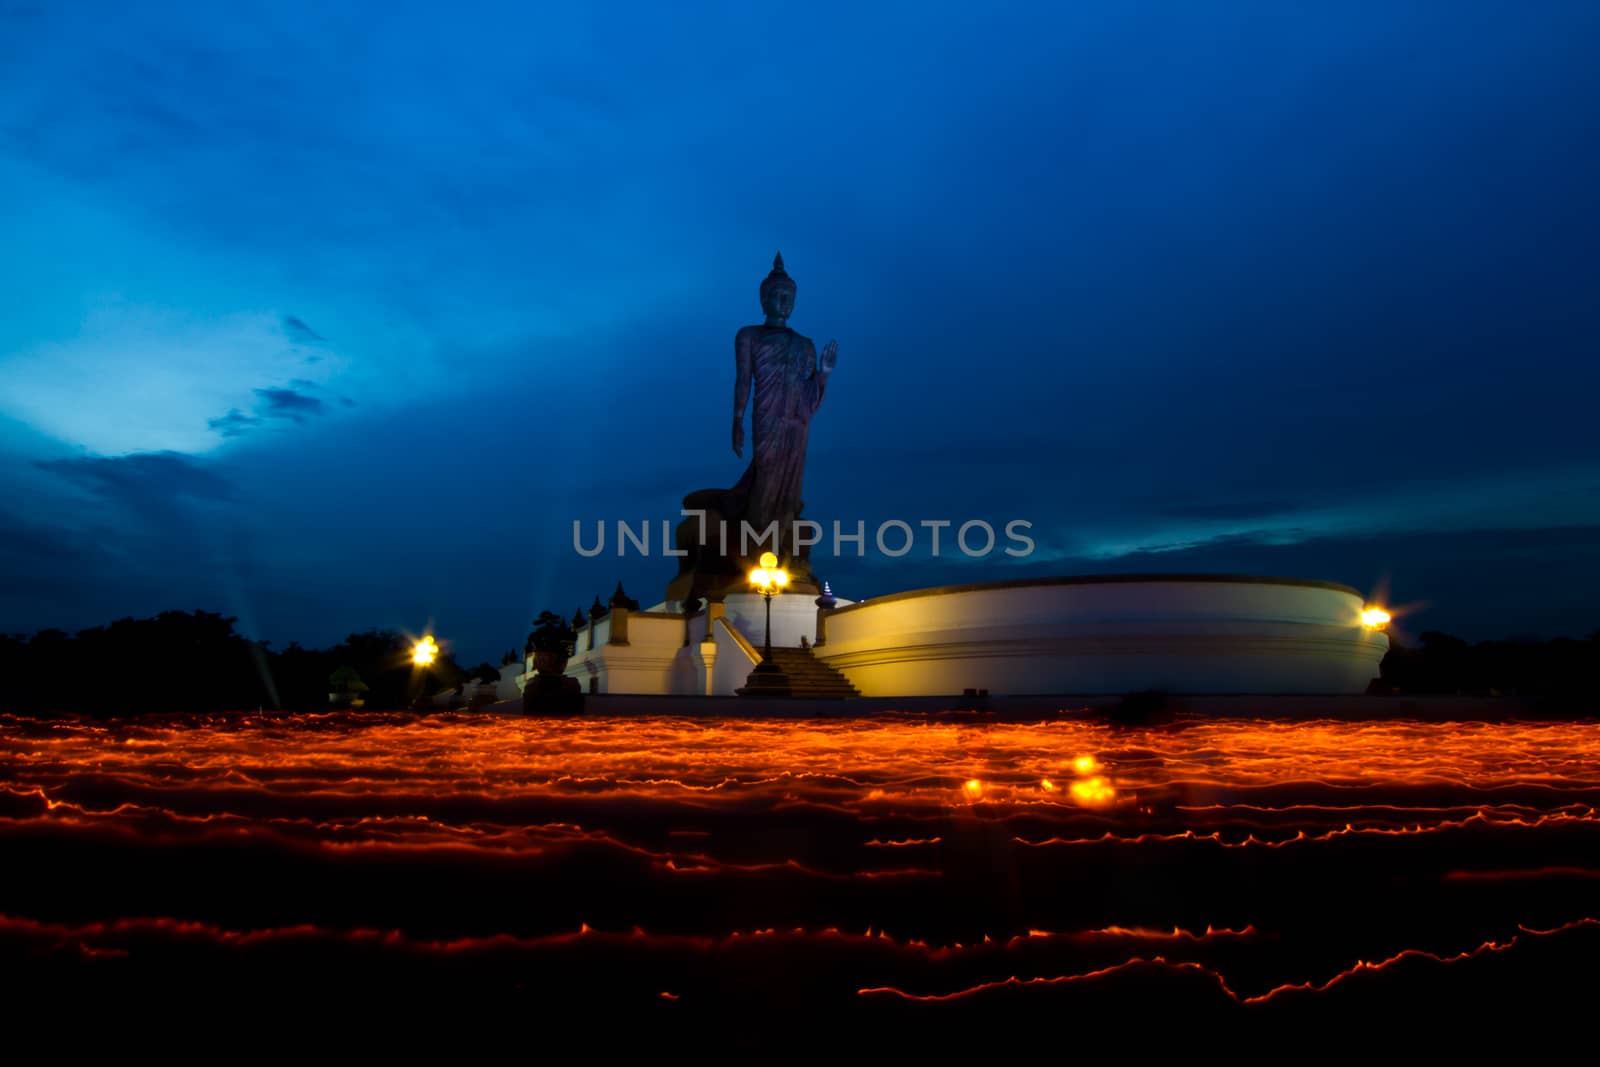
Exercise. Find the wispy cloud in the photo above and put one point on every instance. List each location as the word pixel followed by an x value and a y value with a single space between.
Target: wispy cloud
pixel 142 378
pixel 1534 499
pixel 293 404
pixel 297 331
pixel 289 404
pixel 234 424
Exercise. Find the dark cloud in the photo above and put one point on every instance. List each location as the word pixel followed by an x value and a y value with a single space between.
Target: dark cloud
pixel 234 423
pixel 153 475
pixel 156 531
pixel 288 404
pixel 1232 539
pixel 75 570
pixel 25 545
pixel 1240 509
pixel 292 404
pixel 301 334
pixel 45 573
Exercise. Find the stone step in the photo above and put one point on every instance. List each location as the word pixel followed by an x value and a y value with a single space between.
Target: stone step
pixel 810 677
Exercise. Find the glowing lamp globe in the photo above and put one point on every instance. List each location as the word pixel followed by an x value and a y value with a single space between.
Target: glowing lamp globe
pixel 424 652
pixel 768 578
pixel 1375 618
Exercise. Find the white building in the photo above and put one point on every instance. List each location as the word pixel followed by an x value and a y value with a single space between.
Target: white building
pixel 1085 635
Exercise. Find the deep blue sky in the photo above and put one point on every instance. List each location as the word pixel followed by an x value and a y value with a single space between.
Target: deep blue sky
pixel 331 322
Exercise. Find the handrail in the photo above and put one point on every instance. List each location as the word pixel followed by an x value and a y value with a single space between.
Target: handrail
pixel 744 643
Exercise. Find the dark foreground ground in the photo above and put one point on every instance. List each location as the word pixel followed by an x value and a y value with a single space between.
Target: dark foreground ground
pixel 1148 708
pixel 912 885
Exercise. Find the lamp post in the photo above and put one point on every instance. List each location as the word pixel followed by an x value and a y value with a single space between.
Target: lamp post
pixel 423 653
pixel 767 679
pixel 769 580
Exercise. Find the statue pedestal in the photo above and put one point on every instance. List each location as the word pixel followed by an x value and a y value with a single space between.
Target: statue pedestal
pixel 721 586
pixel 711 565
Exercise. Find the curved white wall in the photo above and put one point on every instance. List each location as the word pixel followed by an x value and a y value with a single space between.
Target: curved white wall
pixel 1111 634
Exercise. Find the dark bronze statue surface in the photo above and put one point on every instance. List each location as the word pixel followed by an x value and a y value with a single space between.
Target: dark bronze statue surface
pixel 781 379
pixel 788 379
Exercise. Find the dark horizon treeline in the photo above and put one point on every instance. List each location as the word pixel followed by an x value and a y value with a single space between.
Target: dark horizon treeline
pixel 195 662
pixel 1561 674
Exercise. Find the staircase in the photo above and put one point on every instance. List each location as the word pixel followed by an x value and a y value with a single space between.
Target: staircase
pixel 810 677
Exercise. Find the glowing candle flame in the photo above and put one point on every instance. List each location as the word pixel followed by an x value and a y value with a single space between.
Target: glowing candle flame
pixel 1494 810
pixel 1096 792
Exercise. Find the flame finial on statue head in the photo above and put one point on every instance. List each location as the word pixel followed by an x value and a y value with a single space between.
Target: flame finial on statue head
pixel 778 280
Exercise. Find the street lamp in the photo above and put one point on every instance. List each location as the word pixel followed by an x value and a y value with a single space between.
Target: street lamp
pixel 769 580
pixel 767 679
pixel 425 651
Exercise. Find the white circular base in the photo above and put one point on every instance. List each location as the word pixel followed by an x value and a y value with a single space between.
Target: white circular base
pixel 1110 634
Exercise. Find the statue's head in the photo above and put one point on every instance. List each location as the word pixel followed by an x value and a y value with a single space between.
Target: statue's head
pixel 777 291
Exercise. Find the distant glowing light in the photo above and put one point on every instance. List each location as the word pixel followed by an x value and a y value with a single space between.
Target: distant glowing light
pixel 973 788
pixel 425 651
pixel 1096 792
pixel 1048 786
pixel 1086 765
pixel 1375 618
